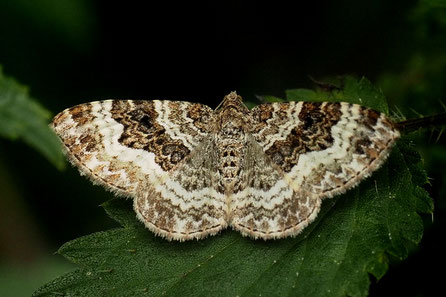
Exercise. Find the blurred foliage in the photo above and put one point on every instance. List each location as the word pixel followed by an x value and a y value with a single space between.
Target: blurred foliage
pixel 43 40
pixel 420 83
pixel 18 281
pixel 22 117
pixel 67 20
pixel 418 87
pixel 354 235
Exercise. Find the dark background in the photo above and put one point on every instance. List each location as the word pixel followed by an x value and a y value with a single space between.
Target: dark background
pixel 70 52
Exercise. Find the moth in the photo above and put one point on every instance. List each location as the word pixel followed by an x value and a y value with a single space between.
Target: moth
pixel 193 171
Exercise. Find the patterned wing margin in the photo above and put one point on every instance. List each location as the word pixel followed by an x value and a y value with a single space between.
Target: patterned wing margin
pixel 133 147
pixel 190 207
pixel 323 148
pixel 268 207
pixel 311 151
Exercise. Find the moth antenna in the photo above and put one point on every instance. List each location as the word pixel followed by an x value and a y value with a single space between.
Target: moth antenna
pixel 423 122
pixel 324 85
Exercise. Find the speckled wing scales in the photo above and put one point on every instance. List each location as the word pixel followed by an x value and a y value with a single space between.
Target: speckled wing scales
pixel 145 150
pixel 312 151
pixel 186 204
pixel 269 207
pixel 360 141
pixel 192 171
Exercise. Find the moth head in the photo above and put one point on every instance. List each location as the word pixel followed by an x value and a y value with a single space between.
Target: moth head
pixel 232 101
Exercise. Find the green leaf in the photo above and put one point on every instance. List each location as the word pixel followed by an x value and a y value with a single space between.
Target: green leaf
pixel 354 235
pixel 265 98
pixel 22 117
pixel 268 98
pixel 360 92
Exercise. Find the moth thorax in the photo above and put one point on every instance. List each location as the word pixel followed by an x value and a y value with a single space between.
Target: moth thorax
pixel 230 161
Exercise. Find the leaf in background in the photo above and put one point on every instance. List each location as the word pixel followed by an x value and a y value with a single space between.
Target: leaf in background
pixel 354 234
pixel 417 82
pixel 360 92
pixel 22 117
pixel 262 99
